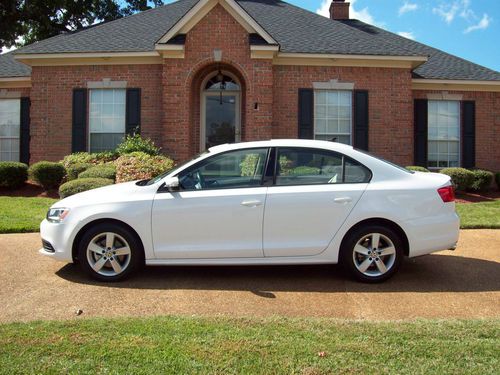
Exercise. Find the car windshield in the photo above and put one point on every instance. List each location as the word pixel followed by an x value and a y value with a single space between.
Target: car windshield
pixel 386 161
pixel 164 174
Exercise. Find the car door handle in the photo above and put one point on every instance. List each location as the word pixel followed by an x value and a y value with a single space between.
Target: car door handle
pixel 343 200
pixel 254 203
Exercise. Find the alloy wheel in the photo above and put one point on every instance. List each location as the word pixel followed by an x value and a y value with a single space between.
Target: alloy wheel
pixel 108 254
pixel 374 255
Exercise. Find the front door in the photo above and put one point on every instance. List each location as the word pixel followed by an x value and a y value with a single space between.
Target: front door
pixel 221 119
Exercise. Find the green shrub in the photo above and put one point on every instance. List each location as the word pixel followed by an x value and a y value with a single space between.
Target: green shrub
pixel 304 171
pixel 141 166
pixel 82 184
pixel 461 178
pixel 135 143
pixel 249 164
pixel 497 179
pixel 482 180
pixel 47 174
pixel 74 170
pixel 88 158
pixel 416 168
pixel 13 174
pixel 107 171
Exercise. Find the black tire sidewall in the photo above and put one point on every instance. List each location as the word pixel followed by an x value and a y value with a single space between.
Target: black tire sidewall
pixel 346 254
pixel 137 258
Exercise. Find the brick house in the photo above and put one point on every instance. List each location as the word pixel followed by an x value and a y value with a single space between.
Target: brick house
pixel 196 73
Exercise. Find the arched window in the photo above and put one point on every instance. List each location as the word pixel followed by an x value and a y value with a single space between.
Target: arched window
pixel 222 82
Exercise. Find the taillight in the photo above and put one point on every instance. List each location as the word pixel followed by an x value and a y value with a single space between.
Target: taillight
pixel 447 194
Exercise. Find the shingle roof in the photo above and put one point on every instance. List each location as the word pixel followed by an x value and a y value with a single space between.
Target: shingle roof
pixel 12 68
pixel 295 29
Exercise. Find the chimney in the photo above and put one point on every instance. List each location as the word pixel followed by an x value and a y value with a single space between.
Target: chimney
pixel 339 10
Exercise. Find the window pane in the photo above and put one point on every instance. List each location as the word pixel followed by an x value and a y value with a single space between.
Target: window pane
pixel 336 108
pixel 356 173
pixel 106 119
pixel 236 169
pixel 444 133
pixel 10 120
pixel 301 166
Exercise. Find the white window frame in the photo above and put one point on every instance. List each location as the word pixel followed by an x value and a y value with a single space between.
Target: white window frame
pixel 10 152
pixel 351 118
pixel 437 140
pixel 90 132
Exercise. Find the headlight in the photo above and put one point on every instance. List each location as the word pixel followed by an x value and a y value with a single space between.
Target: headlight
pixel 56 215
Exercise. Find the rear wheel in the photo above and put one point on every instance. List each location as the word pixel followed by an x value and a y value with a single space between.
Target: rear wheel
pixel 109 252
pixel 372 254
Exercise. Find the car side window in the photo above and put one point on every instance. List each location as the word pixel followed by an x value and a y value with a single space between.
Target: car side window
pixel 234 169
pixel 303 166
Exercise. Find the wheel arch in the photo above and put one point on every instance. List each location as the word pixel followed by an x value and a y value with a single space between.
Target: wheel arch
pixel 383 222
pixel 81 232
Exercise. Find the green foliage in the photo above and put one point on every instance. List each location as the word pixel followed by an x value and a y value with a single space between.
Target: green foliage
pixel 107 171
pixel 48 174
pixel 141 166
pixel 13 174
pixel 82 184
pixel 461 178
pixel 304 170
pixel 73 170
pixel 249 164
pixel 416 168
pixel 497 179
pixel 135 143
pixel 482 180
pixel 88 158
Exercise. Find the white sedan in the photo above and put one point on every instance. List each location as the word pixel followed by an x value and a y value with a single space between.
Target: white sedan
pixel 259 203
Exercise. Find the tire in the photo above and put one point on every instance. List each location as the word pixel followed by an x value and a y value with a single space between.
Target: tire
pixel 370 264
pixel 110 252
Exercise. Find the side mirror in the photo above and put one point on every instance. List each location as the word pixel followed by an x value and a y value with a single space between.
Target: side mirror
pixel 172 184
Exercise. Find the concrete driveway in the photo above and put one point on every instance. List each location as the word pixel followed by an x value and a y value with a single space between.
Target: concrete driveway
pixel 460 284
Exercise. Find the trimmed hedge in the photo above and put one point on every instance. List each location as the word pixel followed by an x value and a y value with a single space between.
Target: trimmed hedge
pixel 13 174
pixel 141 166
pixel 497 179
pixel 482 180
pixel 416 168
pixel 461 178
pixel 135 143
pixel 82 184
pixel 107 171
pixel 48 174
pixel 74 170
pixel 88 158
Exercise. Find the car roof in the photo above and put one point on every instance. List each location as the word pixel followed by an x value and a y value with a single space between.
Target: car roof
pixel 335 146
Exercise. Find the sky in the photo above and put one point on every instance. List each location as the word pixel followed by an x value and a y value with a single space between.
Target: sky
pixel 467 28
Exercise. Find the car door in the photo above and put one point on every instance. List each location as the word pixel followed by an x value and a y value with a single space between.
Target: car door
pixel 313 194
pixel 218 211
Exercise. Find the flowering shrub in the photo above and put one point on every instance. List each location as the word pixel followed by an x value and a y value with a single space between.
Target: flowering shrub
pixel 141 166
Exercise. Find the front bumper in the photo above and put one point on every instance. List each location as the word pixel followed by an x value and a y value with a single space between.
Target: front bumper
pixel 56 234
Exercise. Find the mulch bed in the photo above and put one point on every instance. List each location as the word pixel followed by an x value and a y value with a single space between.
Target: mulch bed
pixel 29 189
pixel 489 196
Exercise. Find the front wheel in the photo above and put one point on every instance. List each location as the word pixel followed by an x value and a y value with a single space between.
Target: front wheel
pixel 372 254
pixel 109 252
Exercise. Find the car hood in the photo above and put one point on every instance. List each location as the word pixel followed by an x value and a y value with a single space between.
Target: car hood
pixel 106 194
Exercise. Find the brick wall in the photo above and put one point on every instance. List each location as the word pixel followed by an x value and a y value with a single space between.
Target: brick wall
pixel 487 125
pixel 51 102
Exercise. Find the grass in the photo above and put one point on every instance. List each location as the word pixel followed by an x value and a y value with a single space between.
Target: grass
pixel 20 215
pixel 174 345
pixel 485 215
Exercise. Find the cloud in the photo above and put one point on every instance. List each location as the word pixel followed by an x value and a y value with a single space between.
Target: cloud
pixel 407 35
pixel 482 25
pixel 363 15
pixel 5 50
pixel 407 7
pixel 448 12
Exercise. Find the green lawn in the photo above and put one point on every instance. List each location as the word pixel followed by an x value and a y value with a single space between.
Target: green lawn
pixel 480 215
pixel 19 215
pixel 173 345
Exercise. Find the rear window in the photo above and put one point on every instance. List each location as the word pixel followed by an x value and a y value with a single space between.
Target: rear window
pixel 386 161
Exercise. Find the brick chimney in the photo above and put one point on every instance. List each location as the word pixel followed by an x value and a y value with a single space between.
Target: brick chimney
pixel 339 10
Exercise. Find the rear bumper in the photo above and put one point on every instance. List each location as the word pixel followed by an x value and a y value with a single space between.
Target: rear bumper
pixel 435 233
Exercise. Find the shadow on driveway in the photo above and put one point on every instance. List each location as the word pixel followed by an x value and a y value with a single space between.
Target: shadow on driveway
pixel 433 273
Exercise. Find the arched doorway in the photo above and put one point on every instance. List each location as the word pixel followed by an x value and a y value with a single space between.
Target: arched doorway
pixel 220 109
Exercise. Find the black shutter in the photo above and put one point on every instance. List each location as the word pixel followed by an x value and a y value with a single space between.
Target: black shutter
pixel 420 109
pixel 133 112
pixel 306 114
pixel 79 132
pixel 469 134
pixel 24 136
pixel 361 119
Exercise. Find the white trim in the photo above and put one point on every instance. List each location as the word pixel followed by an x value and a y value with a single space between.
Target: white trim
pixel 264 48
pixel 455 82
pixel 71 55
pixel 16 79
pixel 201 9
pixel 354 57
pixel 169 47
pixel 334 84
pixel 445 96
pixel 107 83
